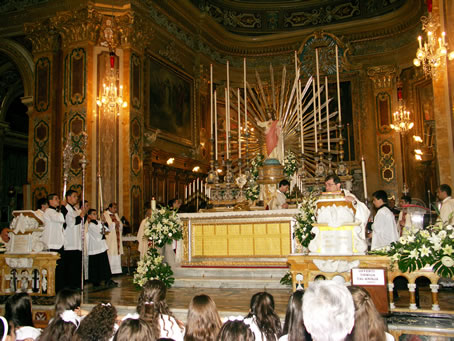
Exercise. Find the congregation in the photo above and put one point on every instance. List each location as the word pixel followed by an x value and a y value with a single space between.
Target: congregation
pixel 326 311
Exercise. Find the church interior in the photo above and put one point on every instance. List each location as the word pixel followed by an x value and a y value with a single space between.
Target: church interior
pixel 139 101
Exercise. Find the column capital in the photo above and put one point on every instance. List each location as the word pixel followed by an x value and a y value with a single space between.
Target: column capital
pixel 43 36
pixel 383 76
pixel 134 31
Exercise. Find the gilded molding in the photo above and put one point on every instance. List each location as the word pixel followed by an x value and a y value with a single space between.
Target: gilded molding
pixel 135 31
pixel 382 76
pixel 76 26
pixel 42 35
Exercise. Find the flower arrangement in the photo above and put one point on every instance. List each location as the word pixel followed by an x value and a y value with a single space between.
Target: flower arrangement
pixel 290 164
pixel 164 226
pixel 152 267
pixel 433 246
pixel 305 219
pixel 252 191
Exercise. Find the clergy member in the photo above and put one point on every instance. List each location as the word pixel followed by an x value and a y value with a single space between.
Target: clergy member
pixel 141 238
pixel 42 205
pixel 4 235
pixel 447 204
pixel 280 199
pixel 384 228
pixel 333 184
pixel 404 220
pixel 73 239
pixel 113 238
pixel 53 236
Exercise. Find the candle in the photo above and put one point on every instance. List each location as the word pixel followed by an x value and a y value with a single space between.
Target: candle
pixel 318 88
pixel 443 34
pixel 198 184
pixel 190 189
pixel 363 167
pixel 211 98
pixel 228 96
pixel 245 95
pixel 239 126
pixel 296 63
pixel 186 191
pixel 227 128
pixel 419 40
pixel 300 116
pixel 216 126
pixel 327 114
pixel 338 86
pixel 153 204
pixel 315 116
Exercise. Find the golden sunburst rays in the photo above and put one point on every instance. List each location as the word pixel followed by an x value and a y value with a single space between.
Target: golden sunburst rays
pixel 287 99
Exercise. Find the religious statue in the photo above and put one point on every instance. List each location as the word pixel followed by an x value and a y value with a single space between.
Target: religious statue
pixel 274 139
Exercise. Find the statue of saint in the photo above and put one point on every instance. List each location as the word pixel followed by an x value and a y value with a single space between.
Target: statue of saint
pixel 274 139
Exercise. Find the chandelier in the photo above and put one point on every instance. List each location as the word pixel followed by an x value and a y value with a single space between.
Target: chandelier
pixel 111 97
pixel 431 54
pixel 401 118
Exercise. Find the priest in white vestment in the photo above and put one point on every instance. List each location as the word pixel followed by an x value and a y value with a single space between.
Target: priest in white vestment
pixel 333 184
pixel 114 238
pixel 279 200
pixel 141 238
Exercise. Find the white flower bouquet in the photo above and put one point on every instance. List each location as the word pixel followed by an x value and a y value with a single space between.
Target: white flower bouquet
pixel 305 218
pixel 164 226
pixel 433 246
pixel 290 164
pixel 153 267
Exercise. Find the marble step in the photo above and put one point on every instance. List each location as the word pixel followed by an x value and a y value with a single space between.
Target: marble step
pixel 229 278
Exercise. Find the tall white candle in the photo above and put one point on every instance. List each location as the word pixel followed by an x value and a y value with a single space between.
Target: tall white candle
pixel 327 114
pixel 153 204
pixel 239 126
pixel 296 63
pixel 338 86
pixel 190 187
pixel 216 126
pixel 186 191
pixel 315 116
pixel 198 184
pixel 300 116
pixel 228 96
pixel 318 88
pixel 363 167
pixel 227 129
pixel 211 99
pixel 245 95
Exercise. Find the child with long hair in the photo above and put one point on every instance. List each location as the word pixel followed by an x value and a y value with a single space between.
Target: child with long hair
pixel 369 325
pixel 203 322
pixel 264 322
pixel 18 313
pixel 153 308
pixel 134 330
pixel 98 325
pixel 294 329
pixel 235 330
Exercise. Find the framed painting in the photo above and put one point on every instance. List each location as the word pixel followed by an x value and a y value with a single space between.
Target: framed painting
pixel 171 98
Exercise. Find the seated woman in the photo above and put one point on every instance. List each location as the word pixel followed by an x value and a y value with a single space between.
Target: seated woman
pixel 294 325
pixel 134 329
pixel 152 307
pixel 264 322
pixel 98 325
pixel 235 330
pixel 203 322
pixel 369 325
pixel 18 313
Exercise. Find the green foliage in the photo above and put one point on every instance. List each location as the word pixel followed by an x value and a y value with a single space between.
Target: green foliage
pixel 152 267
pixel 286 279
pixel 305 219
pixel 290 164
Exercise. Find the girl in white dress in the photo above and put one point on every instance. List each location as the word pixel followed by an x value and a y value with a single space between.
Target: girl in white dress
pixel 262 319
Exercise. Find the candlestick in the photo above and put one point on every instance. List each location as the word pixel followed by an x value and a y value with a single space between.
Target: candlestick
pixel 327 114
pixel 318 88
pixel 227 129
pixel 363 167
pixel 239 125
pixel 211 98
pixel 245 95
pixel 338 86
pixel 216 126
pixel 315 116
pixel 300 116
pixel 185 192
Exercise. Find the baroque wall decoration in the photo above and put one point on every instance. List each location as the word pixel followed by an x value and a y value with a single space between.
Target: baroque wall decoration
pixel 136 81
pixel 386 161
pixel 42 84
pixel 38 192
pixel 383 110
pixel 41 149
pixel 77 75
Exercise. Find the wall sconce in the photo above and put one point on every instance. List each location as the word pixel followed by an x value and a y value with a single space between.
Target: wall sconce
pixel 417 138
pixel 170 161
pixel 196 169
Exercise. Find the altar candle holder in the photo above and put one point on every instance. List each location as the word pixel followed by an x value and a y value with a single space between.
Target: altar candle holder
pixel 212 174
pixel 341 166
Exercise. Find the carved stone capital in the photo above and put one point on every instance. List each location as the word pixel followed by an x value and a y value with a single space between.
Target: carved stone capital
pixel 134 31
pixel 76 26
pixel 43 36
pixel 383 76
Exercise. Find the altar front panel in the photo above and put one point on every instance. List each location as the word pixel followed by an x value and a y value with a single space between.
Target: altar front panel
pixel 242 237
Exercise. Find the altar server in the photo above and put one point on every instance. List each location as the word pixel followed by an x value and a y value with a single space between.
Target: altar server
pixel 53 236
pixel 73 240
pixel 333 184
pixel 279 201
pixel 384 228
pixel 447 204
pixel 98 261
pixel 113 238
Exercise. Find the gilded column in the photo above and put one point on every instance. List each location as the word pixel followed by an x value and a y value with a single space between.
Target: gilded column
pixel 44 145
pixel 78 30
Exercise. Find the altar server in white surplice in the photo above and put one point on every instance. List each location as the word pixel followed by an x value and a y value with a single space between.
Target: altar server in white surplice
pixel 279 201
pixel 141 238
pixel 384 228
pixel 333 184
pixel 114 238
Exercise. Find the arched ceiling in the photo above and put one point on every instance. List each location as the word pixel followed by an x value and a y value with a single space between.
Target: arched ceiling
pixel 250 17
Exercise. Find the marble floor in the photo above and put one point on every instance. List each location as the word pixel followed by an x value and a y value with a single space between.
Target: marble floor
pixel 236 300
